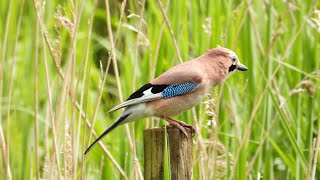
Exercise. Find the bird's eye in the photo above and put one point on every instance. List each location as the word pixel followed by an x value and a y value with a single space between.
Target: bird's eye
pixel 233 59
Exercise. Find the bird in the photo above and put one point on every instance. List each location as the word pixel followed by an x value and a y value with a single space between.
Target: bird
pixel 178 89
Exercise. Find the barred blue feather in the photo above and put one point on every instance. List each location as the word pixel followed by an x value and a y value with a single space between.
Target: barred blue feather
pixel 178 89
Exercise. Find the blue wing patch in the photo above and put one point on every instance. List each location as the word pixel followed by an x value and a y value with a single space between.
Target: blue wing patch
pixel 178 89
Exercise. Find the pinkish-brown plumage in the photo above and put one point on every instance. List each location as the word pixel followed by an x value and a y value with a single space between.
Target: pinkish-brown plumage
pixel 178 89
pixel 207 70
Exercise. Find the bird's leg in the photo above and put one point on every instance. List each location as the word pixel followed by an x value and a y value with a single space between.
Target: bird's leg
pixel 176 124
pixel 180 125
pixel 180 122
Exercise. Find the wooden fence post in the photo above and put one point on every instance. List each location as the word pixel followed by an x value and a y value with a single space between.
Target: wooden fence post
pixel 180 149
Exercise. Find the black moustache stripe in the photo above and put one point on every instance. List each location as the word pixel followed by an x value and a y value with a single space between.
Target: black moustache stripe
pixel 232 68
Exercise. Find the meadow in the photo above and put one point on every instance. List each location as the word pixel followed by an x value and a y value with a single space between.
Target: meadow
pixel 64 64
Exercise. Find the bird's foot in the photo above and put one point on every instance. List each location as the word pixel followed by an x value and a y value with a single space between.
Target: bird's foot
pixel 181 128
pixel 180 125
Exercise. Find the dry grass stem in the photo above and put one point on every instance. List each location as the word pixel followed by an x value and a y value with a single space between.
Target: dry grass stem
pixel 137 168
pixel 166 19
pixel 256 32
pixel 261 143
pixel 136 53
pixel 98 99
pixel 48 86
pixel 310 165
pixel 316 154
pixel 83 71
pixel 11 86
pixel 4 147
pixel 244 16
pixel 156 53
pixel 115 67
pixel 36 136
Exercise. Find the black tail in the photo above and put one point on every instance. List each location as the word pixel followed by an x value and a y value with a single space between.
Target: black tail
pixel 114 125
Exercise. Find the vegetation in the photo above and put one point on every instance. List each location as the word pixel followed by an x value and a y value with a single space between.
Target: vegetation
pixel 64 64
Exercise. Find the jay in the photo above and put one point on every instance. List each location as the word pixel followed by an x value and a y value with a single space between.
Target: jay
pixel 178 89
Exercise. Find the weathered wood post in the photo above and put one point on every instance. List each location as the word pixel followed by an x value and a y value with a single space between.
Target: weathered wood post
pixel 180 149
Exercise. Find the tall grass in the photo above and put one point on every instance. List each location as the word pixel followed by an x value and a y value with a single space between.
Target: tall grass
pixel 64 64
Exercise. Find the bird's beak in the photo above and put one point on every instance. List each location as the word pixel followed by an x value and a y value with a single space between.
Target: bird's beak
pixel 242 67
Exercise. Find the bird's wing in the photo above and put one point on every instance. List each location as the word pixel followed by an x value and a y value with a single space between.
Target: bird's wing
pixel 150 92
pixel 174 82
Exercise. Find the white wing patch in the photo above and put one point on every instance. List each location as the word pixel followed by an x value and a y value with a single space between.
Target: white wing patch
pixel 145 98
pixel 147 92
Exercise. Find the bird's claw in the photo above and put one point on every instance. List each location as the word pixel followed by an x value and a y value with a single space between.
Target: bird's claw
pixel 180 125
pixel 182 128
pixel 193 131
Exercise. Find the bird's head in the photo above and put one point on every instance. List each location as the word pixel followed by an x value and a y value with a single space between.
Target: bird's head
pixel 234 61
pixel 222 63
pixel 228 60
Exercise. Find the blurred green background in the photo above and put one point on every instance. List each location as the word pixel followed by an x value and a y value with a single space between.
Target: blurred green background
pixel 64 64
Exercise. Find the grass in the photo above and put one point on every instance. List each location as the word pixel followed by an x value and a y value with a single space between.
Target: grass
pixel 64 64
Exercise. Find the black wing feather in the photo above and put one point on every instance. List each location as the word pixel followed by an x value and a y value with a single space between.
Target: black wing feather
pixel 155 89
